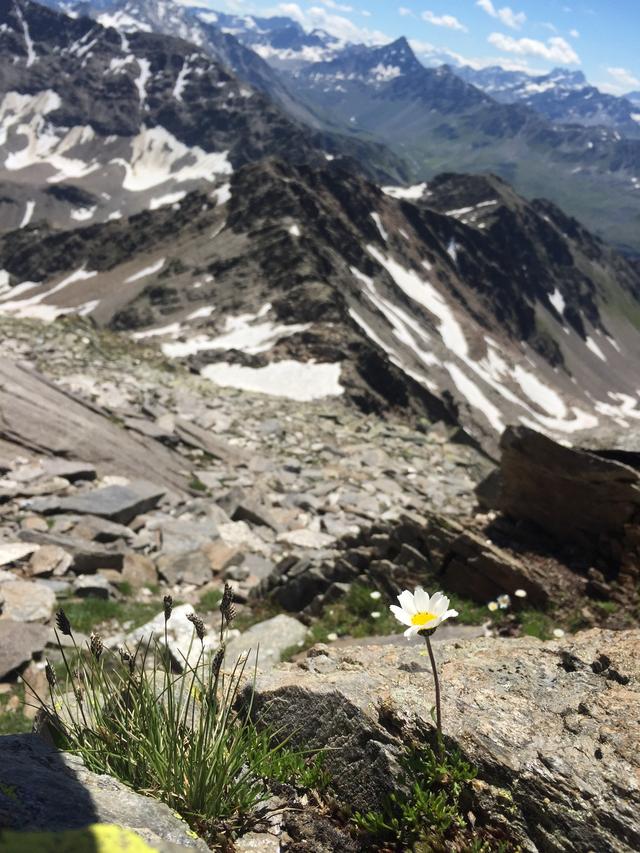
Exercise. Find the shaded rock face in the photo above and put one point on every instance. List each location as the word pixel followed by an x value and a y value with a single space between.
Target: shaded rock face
pixel 575 496
pixel 551 727
pixel 42 789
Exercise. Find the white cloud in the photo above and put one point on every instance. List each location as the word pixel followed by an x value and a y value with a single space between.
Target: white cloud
pixel 405 12
pixel 574 34
pixel 623 77
pixel 555 49
pixel 317 17
pixel 508 17
pixel 449 21
pixel 338 7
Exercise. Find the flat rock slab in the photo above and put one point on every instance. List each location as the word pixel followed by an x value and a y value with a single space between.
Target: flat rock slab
pixel 85 556
pixel 39 416
pixel 115 503
pixel 11 552
pixel 268 640
pixel 18 643
pixel 26 601
pixel 554 726
pixel 43 789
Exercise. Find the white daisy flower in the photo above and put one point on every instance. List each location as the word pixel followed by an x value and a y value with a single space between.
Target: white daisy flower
pixel 332 637
pixel 558 632
pixel 375 614
pixel 420 611
pixel 375 595
pixel 520 593
pixel 504 601
pixel 492 605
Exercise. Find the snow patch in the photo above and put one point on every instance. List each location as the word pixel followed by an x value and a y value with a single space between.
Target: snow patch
pixel 557 300
pixel 294 380
pixel 380 226
pixel 169 198
pixel 155 158
pixel 411 193
pixel 143 273
pixel 28 213
pixel 595 349
pixel 249 333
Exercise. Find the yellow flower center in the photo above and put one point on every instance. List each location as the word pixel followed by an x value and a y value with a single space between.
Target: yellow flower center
pixel 422 618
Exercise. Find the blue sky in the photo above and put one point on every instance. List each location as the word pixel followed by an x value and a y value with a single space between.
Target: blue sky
pixel 598 37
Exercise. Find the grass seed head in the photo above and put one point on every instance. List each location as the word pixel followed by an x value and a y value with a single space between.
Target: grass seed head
pixel 51 676
pixel 96 645
pixel 226 605
pixel 198 624
pixel 168 607
pixel 62 623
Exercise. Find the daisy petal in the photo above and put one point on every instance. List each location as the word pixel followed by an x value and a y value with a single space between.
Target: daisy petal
pixel 407 602
pixel 400 614
pixel 450 614
pixel 411 631
pixel 422 600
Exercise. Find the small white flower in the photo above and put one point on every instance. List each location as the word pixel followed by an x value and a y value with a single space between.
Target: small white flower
pixel 492 605
pixel 332 637
pixel 520 593
pixel 420 611
pixel 504 601
pixel 375 594
pixel 558 632
pixel 375 614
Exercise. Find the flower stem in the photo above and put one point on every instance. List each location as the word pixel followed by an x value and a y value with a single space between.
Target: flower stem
pixel 436 682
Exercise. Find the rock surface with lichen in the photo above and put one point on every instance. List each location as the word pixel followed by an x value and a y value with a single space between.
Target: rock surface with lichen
pixel 553 728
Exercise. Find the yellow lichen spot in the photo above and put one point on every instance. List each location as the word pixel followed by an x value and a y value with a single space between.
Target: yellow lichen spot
pixel 97 838
pixel 422 618
pixel 9 791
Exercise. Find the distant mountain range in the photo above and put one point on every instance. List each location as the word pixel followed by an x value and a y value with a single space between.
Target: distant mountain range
pixel 147 188
pixel 562 96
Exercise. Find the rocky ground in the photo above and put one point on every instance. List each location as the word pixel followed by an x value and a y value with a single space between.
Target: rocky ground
pixel 124 478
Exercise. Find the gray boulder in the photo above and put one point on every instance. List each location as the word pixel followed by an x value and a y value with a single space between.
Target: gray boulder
pixel 115 503
pixel 18 643
pixel 43 789
pixel 553 728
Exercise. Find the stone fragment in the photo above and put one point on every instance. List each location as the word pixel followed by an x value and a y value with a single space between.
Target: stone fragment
pixel 70 470
pixel 86 556
pixel 102 530
pixel 267 640
pixel 305 538
pixel 26 601
pixel 49 560
pixel 181 534
pixel 116 503
pixel 43 789
pixel 12 552
pixel 19 641
pixel 241 506
pixel 139 570
pixel 192 568
pixel 221 555
pixel 92 586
